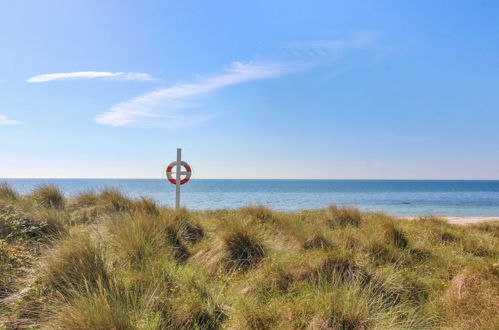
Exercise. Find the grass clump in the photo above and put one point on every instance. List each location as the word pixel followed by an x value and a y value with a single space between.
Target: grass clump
pixel 238 246
pixel 342 217
pixel 394 236
pixel 115 200
pixel 242 250
pixel 140 238
pixel 191 232
pixel 76 264
pixel 7 193
pixel 189 229
pixel 446 237
pixel 116 305
pixel 480 246
pixel 48 196
pixel 259 212
pixel 343 309
pixel 338 268
pixel 491 228
pixel 250 314
pixel 92 311
pixel 471 299
pixel 85 199
pixel 317 241
pixel 146 206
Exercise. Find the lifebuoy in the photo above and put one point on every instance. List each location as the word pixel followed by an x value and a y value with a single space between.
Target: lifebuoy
pixel 187 172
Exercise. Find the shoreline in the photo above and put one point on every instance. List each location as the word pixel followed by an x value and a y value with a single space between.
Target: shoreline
pixel 463 220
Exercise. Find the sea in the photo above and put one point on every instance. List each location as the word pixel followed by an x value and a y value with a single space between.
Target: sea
pixel 395 197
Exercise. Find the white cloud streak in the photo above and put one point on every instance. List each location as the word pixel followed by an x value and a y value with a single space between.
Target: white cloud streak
pixel 135 76
pixel 7 122
pixel 165 102
pixel 159 108
pixel 317 49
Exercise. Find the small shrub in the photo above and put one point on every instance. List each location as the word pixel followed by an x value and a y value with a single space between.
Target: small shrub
pixel 48 196
pixel 342 217
pixel 37 227
pixel 7 193
pixel 12 257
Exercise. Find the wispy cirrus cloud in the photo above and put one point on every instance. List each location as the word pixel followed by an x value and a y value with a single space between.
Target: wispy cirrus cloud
pixel 168 105
pixel 8 122
pixel 135 76
pixel 327 48
pixel 166 102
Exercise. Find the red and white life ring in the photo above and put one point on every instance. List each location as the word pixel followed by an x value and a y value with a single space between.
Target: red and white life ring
pixel 187 172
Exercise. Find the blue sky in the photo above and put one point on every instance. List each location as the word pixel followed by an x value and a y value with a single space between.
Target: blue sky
pixel 262 89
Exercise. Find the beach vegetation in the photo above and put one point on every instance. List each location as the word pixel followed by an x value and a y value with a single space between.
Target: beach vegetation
pixel 260 212
pixel 48 196
pixel 7 193
pixel 343 216
pixel 102 260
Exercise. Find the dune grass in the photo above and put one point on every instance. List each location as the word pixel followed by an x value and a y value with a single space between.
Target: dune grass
pixel 7 193
pixel 48 196
pixel 101 260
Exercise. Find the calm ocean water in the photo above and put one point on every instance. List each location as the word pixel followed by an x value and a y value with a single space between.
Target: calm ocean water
pixel 397 197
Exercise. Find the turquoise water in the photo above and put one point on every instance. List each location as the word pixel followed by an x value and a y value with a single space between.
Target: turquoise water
pixel 397 197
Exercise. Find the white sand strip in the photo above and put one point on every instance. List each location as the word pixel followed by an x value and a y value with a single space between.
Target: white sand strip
pixel 469 220
pixel 463 220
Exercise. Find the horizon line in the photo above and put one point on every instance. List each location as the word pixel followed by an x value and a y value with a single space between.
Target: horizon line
pixel 248 179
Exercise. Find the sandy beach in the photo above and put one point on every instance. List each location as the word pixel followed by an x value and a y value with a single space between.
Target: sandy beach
pixel 464 220
pixel 469 220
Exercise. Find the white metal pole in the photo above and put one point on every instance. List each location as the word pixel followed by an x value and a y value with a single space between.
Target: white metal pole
pixel 178 178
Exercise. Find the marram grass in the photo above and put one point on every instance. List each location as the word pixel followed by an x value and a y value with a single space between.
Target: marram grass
pixel 101 260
